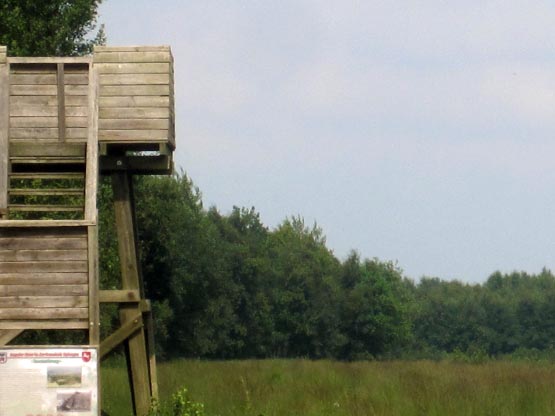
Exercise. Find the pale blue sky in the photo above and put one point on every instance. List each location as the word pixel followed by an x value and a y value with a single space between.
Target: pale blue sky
pixel 415 131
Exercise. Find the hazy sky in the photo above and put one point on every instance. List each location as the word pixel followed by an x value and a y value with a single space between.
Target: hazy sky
pixel 415 131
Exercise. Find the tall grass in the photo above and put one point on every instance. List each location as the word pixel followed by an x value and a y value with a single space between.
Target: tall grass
pixel 320 388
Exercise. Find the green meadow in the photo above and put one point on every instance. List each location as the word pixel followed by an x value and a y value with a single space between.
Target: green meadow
pixel 319 388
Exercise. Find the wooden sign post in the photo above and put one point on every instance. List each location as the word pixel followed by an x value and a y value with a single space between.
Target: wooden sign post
pixel 64 122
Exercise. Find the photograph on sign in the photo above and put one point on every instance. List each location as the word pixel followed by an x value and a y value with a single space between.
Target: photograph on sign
pixel 46 381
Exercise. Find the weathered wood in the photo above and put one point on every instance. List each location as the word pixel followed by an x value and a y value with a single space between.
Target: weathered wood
pixel 76 89
pixel 43 313
pixel 51 324
pixel 47 60
pixel 24 100
pixel 151 356
pixel 45 208
pixel 7 335
pixel 51 149
pixel 47 175
pixel 44 229
pixel 131 279
pixel 43 302
pixel 131 135
pixel 134 79
pixel 132 48
pixel 134 101
pixel 92 170
pixel 134 324
pixel 43 278
pixel 132 90
pixel 41 255
pixel 43 290
pixel 33 90
pixel 94 305
pixel 77 111
pixel 76 79
pixel 119 296
pixel 33 79
pixel 27 110
pixel 76 100
pixel 33 122
pixel 4 126
pixel 76 133
pixel 134 124
pixel 33 133
pixel 80 122
pixel 61 103
pixel 132 57
pixel 52 243
pixel 133 68
pixel 133 113
pixel 43 266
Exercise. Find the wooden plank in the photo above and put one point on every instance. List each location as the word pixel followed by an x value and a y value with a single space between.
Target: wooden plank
pixel 134 101
pixel 149 321
pixel 119 296
pixel 50 60
pixel 134 79
pixel 120 335
pixel 76 79
pixel 3 55
pixel 43 290
pixel 35 122
pixel 134 48
pixel 134 124
pixel 137 68
pixel 33 90
pixel 125 135
pixel 94 305
pixel 77 111
pixel 25 110
pixel 24 100
pixel 80 122
pixel 42 255
pixel 76 100
pixel 29 160
pixel 33 79
pixel 61 103
pixel 46 192
pixel 51 149
pixel 132 57
pixel 130 113
pixel 43 266
pixel 4 140
pixel 76 89
pixel 7 335
pixel 43 302
pixel 33 133
pixel 76 133
pixel 51 324
pixel 43 278
pixel 44 313
pixel 92 171
pixel 52 243
pixel 132 90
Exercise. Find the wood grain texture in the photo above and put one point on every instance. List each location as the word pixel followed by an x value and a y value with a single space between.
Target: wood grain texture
pixel 4 138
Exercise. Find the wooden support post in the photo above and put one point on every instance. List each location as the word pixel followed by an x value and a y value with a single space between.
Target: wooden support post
pixel 130 271
pixel 4 128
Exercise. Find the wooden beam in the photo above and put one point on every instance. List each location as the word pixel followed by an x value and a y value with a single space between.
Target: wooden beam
pixel 139 375
pixel 120 335
pixel 92 171
pixel 119 296
pixel 61 103
pixel 140 165
pixel 7 335
pixel 4 131
pixel 93 272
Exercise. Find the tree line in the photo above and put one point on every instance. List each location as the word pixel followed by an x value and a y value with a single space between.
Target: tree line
pixel 227 286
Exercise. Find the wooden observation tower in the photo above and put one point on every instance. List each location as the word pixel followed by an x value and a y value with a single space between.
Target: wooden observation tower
pixel 63 122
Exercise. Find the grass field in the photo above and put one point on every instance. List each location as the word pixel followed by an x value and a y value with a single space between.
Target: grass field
pixel 302 387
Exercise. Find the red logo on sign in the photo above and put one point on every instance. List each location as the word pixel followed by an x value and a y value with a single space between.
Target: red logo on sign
pixel 86 356
pixel 3 357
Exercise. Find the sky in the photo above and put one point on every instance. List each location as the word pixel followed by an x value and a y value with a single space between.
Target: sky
pixel 419 132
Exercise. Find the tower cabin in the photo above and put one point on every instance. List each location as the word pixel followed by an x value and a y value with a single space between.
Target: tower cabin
pixel 63 122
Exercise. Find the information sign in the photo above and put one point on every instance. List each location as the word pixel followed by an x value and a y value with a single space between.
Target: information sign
pixel 50 381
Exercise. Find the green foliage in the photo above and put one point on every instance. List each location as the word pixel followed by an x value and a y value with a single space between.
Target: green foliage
pixel 180 405
pixel 49 27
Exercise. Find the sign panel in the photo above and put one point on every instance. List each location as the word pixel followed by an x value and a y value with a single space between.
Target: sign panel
pixel 52 381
